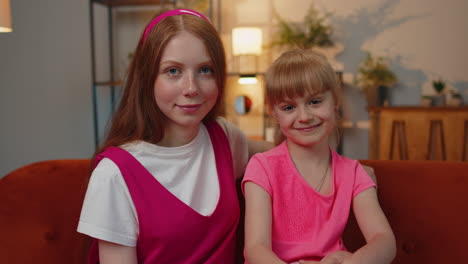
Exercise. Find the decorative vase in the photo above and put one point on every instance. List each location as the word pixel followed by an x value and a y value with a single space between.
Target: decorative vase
pixel 377 96
pixel 426 101
pixel 438 100
pixel 382 95
pixel 454 101
pixel 464 98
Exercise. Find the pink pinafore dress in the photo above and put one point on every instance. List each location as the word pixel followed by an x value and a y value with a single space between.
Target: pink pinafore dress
pixel 169 230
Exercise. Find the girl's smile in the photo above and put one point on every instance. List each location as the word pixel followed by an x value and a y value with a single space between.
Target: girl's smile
pixel 309 128
pixel 189 108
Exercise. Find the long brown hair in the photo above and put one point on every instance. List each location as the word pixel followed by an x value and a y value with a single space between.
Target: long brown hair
pixel 297 72
pixel 138 116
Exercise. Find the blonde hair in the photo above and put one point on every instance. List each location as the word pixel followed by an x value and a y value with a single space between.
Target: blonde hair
pixel 299 72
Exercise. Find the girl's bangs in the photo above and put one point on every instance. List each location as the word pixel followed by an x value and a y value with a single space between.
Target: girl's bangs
pixel 293 83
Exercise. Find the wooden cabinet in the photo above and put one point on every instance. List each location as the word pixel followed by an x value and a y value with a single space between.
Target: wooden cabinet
pixel 419 133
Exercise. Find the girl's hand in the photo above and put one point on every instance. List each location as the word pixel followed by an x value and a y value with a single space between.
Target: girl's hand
pixel 336 257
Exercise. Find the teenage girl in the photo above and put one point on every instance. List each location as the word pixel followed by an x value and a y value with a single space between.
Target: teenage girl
pixel 163 189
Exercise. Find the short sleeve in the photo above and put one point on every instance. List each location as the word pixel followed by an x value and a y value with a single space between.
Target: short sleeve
pixel 362 180
pixel 108 212
pixel 257 173
pixel 238 144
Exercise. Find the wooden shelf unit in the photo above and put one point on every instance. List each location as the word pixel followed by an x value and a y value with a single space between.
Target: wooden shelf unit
pixel 417 132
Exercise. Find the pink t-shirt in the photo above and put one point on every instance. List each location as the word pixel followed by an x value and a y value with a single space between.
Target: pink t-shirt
pixel 306 224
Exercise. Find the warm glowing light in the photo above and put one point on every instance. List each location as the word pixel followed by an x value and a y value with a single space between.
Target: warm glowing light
pixel 246 41
pixel 247 80
pixel 5 18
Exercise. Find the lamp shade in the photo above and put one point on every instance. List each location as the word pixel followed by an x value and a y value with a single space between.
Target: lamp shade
pixel 247 79
pixel 5 18
pixel 246 41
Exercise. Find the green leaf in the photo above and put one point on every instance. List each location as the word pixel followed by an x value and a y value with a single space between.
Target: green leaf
pixel 313 31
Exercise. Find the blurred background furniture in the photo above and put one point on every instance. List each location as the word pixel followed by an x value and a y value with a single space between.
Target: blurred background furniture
pixel 425 203
pixel 418 133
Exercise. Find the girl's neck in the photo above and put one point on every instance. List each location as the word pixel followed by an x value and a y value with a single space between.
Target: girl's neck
pixel 313 155
pixel 178 136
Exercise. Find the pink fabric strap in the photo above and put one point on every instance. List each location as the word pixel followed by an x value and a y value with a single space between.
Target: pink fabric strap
pixel 174 12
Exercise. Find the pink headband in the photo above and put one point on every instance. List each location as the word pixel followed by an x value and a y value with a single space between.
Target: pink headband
pixel 174 12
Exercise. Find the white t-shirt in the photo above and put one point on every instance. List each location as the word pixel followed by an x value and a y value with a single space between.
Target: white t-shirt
pixel 187 171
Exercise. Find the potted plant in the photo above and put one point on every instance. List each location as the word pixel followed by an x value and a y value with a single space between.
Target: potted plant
pixel 312 32
pixel 455 99
pixel 439 87
pixel 375 77
pixel 426 100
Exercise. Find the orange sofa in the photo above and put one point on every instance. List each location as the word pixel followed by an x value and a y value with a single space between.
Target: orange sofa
pixel 426 203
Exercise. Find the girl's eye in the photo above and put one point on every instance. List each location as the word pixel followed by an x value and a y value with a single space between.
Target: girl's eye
pixel 173 71
pixel 287 108
pixel 315 101
pixel 206 70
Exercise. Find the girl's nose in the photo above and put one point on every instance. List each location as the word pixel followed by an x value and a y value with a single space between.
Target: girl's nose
pixel 190 85
pixel 304 114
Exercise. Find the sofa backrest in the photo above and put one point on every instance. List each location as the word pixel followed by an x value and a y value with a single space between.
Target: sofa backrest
pixel 426 203
pixel 40 205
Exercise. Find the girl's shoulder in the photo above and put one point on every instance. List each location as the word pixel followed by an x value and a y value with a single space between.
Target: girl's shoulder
pixel 228 127
pixel 341 160
pixel 238 144
pixel 106 170
pixel 106 176
pixel 276 155
pixel 277 151
pixel 345 167
pixel 237 139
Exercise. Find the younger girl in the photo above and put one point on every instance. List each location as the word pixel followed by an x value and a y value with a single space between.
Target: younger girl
pixel 299 194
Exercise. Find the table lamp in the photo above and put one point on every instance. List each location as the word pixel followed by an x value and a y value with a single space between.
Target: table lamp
pixel 5 17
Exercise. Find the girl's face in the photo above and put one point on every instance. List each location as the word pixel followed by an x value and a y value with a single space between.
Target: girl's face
pixel 185 89
pixel 306 120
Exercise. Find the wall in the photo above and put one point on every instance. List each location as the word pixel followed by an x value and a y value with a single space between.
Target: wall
pixel 422 40
pixel 45 75
pixel 45 84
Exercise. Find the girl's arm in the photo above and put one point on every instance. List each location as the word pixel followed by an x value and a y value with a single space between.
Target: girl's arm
pixel 111 253
pixel 258 225
pixel 380 247
pixel 370 172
